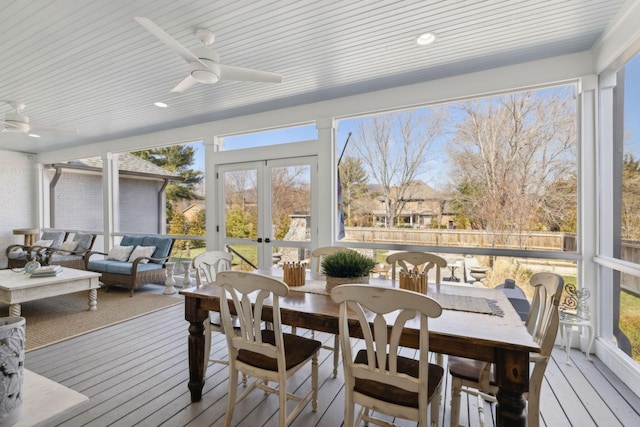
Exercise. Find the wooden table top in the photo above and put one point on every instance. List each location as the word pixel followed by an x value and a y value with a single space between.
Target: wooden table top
pixel 485 330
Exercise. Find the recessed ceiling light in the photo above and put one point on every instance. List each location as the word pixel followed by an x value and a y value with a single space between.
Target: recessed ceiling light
pixel 425 39
pixel 160 104
pixel 33 135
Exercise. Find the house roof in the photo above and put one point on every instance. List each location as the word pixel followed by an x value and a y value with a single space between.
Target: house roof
pixel 126 163
pixel 89 65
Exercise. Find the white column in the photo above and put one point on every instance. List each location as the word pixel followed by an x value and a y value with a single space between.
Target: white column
pixel 110 197
pixel 326 214
pixel 211 146
pixel 603 295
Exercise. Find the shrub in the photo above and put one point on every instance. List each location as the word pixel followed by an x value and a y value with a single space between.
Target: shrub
pixel 347 263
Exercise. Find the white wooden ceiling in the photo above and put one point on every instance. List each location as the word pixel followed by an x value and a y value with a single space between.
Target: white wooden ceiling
pixel 89 65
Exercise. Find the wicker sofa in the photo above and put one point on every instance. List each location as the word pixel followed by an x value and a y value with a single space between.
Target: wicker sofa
pixel 133 273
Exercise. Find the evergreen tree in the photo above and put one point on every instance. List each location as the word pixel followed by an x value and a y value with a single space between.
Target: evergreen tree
pixel 180 159
pixel 354 184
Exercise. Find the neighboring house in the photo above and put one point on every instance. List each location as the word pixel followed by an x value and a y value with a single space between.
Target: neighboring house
pixel 76 197
pixel 423 207
pixel 191 211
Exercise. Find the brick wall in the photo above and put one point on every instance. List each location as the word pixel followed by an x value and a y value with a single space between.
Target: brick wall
pixel 18 207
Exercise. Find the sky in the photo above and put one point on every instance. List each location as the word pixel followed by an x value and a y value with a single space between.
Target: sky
pixel 436 168
pixel 632 106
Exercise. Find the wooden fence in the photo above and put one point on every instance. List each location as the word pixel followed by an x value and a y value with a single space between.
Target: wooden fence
pixel 540 241
pixel 464 238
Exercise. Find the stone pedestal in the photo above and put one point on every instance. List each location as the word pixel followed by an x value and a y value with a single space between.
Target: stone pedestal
pixel 11 368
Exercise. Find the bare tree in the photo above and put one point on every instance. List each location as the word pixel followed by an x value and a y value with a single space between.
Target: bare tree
pixel 394 148
pixel 507 151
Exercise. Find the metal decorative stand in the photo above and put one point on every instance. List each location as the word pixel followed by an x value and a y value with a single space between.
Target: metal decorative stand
pixel 170 282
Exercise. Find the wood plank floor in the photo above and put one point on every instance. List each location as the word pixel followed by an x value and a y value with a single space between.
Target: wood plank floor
pixel 135 374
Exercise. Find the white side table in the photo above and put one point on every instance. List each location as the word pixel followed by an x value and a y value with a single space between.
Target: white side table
pixel 567 322
pixel 575 313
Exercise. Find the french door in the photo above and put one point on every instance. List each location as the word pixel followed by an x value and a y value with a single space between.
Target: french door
pixel 266 210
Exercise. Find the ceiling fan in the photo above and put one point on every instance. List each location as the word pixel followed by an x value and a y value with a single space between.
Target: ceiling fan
pixel 16 122
pixel 205 62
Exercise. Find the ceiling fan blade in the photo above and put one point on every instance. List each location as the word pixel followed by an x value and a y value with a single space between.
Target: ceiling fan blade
pixel 185 84
pixel 168 40
pixel 231 72
pixel 42 128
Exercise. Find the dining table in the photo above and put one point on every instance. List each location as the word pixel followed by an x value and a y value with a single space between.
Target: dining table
pixel 466 328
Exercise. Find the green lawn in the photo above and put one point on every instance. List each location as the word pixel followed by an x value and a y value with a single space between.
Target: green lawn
pixel 630 321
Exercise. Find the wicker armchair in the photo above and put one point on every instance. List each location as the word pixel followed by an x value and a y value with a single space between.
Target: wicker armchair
pixel 19 255
pixel 73 259
pixel 134 273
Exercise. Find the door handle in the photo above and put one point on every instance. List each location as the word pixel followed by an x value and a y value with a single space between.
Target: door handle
pixel 267 240
pixel 259 239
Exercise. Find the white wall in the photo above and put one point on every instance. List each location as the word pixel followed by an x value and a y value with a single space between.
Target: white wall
pixel 18 200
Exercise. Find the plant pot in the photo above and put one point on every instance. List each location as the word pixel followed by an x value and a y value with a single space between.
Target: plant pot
pixel 333 281
pixel 12 372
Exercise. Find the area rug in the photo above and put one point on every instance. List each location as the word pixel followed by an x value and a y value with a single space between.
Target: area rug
pixel 56 319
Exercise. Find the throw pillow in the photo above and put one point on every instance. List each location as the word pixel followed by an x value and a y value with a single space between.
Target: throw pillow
pixel 142 251
pixel 68 246
pixel 120 253
pixel 43 243
pixel 84 241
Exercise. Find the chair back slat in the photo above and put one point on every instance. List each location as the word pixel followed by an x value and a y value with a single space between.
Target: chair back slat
pixel 248 293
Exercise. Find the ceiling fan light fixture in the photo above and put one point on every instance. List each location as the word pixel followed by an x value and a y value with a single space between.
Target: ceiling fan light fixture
pixel 206 75
pixel 16 122
pixel 425 39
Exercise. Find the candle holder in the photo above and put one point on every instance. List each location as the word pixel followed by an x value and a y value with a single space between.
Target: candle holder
pixel 294 273
pixel 413 280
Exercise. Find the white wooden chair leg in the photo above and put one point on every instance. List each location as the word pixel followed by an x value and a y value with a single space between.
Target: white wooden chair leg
pixel 480 410
pixel 456 388
pixel 231 397
pixel 336 355
pixel 435 408
pixel 207 345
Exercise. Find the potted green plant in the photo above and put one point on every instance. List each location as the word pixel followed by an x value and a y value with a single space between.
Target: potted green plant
pixel 346 267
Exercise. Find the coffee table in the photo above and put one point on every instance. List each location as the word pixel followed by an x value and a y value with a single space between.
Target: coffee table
pixel 19 287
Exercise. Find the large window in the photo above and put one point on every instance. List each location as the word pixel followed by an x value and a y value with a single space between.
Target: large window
pixel 175 177
pixel 626 300
pixel 493 173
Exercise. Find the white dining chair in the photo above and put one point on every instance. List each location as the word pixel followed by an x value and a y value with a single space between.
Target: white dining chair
pixel 268 355
pixel 421 261
pixel 477 378
pixel 206 266
pixel 379 378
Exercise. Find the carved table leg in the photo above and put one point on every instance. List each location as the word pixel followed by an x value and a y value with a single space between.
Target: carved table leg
pixel 15 310
pixel 512 376
pixel 93 299
pixel 196 318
